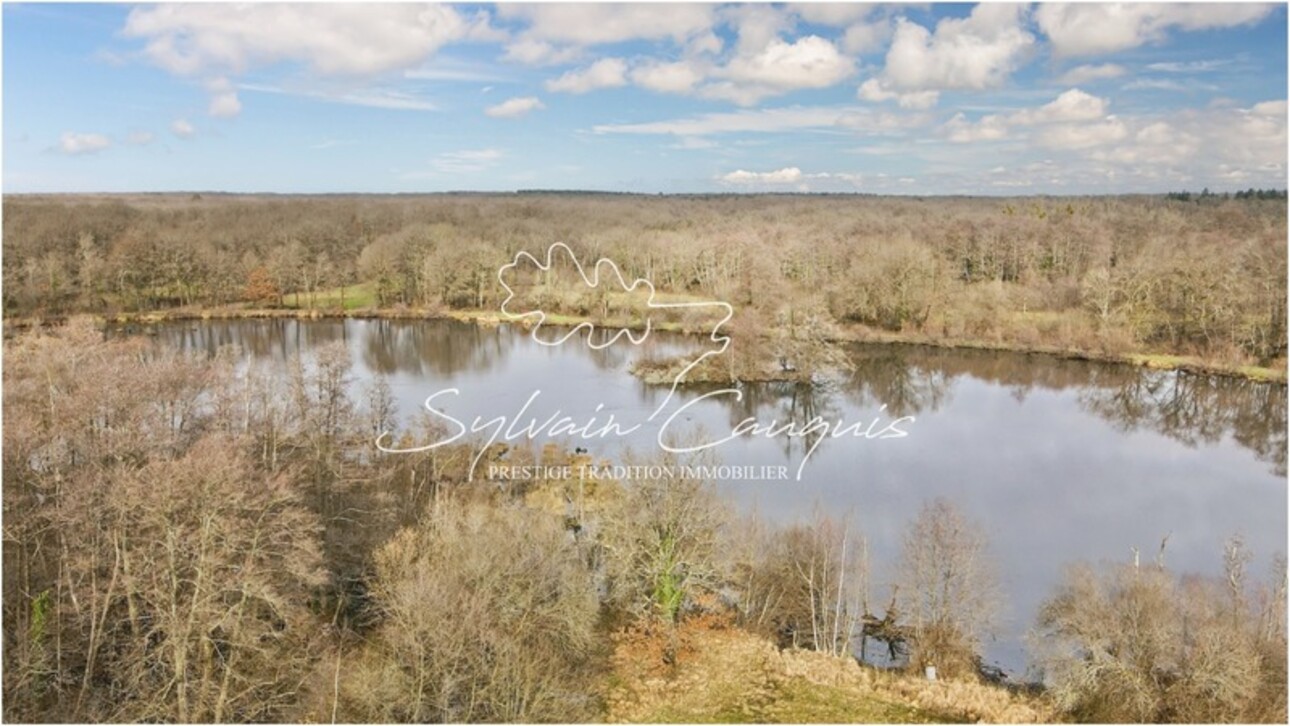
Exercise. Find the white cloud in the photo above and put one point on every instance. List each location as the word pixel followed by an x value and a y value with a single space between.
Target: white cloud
pixel 1204 66
pixel 810 62
pixel 1156 144
pixel 756 25
pixel 367 56
pixel 795 178
pixel 181 128
pixel 707 43
pixel 468 161
pixel 764 64
pixel 1275 109
pixel 761 64
pixel 1251 137
pixel 224 101
pixel 140 138
pixel 1082 136
pixel 214 41
pixel 870 122
pixel 866 38
pixel 1083 75
pixel 379 98
pixel 443 68
pixel 864 32
pixel 788 175
pixel 340 38
pixel 693 142
pixel 225 105
pixel 586 24
pixel 773 120
pixel 975 53
pixel 677 77
pixel 877 91
pixel 604 73
pixel 1187 148
pixel 561 33
pixel 1080 29
pixel 1070 107
pixel 835 14
pixel 74 144
pixel 515 107
pixel 1073 105
pixel 766 121
pixel 961 131
pixel 1218 145
pixel 531 52
pixel 1167 84
pixel 372 98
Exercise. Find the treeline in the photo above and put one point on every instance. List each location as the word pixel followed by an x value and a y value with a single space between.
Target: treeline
pixel 1206 195
pixel 187 542
pixel 1113 274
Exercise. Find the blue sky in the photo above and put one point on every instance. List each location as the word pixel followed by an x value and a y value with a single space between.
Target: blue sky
pixel 899 99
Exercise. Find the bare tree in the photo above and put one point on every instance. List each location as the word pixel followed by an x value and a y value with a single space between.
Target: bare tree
pixel 948 590
pixel 488 615
pixel 660 540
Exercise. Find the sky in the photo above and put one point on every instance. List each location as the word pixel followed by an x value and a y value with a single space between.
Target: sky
pixel 834 97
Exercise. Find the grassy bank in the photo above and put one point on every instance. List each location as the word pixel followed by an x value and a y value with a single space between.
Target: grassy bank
pixel 352 297
pixel 723 674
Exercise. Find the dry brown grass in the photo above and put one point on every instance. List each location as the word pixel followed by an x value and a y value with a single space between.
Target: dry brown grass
pixel 725 674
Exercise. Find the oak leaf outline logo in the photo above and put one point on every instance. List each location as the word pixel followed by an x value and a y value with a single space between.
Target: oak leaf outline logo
pixel 594 280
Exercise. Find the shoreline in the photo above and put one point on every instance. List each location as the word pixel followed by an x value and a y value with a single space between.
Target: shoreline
pixel 1154 361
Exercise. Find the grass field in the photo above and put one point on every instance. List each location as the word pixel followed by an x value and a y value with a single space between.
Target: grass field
pixel 355 297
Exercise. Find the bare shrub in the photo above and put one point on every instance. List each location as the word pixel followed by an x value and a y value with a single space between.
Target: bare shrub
pixel 803 585
pixel 488 615
pixel 1138 643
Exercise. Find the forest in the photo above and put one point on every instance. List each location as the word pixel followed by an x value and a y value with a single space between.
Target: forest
pixel 185 541
pixel 202 538
pixel 1178 275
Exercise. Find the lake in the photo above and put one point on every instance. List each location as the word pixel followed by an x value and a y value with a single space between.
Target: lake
pixel 1060 460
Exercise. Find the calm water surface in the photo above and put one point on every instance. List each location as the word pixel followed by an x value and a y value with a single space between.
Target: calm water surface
pixel 1060 460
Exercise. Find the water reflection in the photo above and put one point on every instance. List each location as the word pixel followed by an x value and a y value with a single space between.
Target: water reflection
pixel 1195 410
pixel 778 403
pixel 272 338
pixel 889 375
pixel 391 346
pixel 907 380
pixel 1060 459
pixel 1190 408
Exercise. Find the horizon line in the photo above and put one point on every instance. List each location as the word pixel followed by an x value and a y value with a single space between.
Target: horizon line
pixel 597 192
